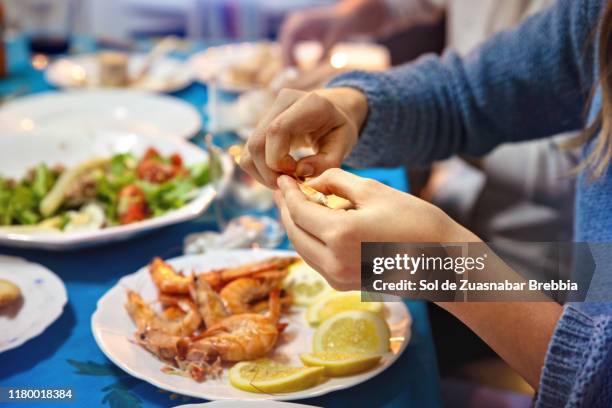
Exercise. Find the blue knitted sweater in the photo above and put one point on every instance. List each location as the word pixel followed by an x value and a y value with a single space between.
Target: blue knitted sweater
pixel 530 82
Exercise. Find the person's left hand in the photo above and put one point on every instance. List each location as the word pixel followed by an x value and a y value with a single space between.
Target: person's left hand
pixel 330 240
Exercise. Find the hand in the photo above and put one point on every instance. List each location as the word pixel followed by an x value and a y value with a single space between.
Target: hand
pixel 329 25
pixel 330 240
pixel 327 121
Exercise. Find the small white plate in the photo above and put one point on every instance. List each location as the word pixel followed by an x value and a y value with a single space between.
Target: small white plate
pixel 82 71
pixel 43 300
pixel 109 110
pixel 213 63
pixel 113 331
pixel 20 152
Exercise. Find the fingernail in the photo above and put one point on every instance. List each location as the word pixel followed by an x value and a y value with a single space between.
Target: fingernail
pixel 305 170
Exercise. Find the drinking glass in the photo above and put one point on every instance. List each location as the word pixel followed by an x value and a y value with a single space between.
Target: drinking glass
pixel 48 24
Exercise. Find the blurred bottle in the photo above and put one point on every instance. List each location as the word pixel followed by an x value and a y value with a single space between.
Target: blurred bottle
pixel 3 59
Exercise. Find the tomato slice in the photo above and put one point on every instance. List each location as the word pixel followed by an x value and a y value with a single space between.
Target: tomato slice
pixel 132 205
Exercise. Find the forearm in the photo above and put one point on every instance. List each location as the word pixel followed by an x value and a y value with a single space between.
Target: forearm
pixel 527 83
pixel 518 331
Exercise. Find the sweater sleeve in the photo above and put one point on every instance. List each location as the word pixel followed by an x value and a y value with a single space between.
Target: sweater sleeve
pixel 578 364
pixel 525 83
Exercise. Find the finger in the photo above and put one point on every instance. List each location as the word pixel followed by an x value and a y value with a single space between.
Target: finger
pixel 314 252
pixel 312 116
pixel 306 245
pixel 278 146
pixel 313 218
pixel 256 153
pixel 288 38
pixel 246 164
pixel 256 145
pixel 268 176
pixel 286 97
pixel 344 184
pixel 330 154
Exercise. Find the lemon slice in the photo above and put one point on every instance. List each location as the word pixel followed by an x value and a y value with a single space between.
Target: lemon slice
pixel 353 331
pixel 270 377
pixel 338 364
pixel 304 284
pixel 336 302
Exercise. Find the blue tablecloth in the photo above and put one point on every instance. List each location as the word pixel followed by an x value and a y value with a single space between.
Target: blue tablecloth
pixel 66 355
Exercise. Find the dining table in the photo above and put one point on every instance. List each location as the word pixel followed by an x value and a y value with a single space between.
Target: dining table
pixel 66 355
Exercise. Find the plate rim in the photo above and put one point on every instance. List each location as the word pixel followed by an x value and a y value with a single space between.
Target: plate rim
pixel 51 78
pixel 280 397
pixel 41 325
pixel 193 209
pixel 123 94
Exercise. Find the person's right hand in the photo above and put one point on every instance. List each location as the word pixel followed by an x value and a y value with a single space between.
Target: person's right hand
pixel 327 121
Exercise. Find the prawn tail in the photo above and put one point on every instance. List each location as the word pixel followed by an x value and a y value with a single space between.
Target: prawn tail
pixel 274 305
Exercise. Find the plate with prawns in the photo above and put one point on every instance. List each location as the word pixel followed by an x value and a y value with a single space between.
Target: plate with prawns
pixel 245 325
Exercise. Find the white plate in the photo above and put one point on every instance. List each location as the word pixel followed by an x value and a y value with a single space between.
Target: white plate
pixel 43 300
pixel 110 110
pixel 20 152
pixel 213 62
pixel 166 74
pixel 113 331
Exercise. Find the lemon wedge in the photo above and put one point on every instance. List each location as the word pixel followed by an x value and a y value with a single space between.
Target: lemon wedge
pixel 353 331
pixel 304 284
pixel 267 376
pixel 336 302
pixel 337 364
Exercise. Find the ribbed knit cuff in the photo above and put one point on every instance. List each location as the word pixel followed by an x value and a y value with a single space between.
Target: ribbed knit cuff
pixel 565 358
pixel 401 115
pixel 370 150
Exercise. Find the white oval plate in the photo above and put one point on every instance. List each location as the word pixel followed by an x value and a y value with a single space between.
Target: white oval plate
pixel 113 331
pixel 43 300
pixel 213 62
pixel 109 110
pixel 166 74
pixel 20 152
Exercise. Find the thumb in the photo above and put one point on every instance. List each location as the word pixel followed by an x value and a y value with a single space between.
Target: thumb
pixel 341 183
pixel 330 154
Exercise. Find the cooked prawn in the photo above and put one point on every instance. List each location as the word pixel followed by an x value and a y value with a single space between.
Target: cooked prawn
pixel 209 303
pixel 240 337
pixel 161 344
pixel 167 300
pixel 239 294
pixel 218 278
pixel 146 318
pixel 168 280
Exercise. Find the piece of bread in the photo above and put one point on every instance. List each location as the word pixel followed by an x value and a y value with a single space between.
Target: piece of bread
pixel 9 292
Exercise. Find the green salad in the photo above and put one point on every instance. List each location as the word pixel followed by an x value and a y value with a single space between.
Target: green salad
pixel 101 192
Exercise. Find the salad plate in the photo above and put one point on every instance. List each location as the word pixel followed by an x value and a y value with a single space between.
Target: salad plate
pixel 43 300
pixel 113 331
pixel 126 111
pixel 82 71
pixel 105 170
